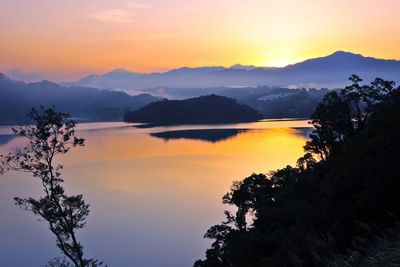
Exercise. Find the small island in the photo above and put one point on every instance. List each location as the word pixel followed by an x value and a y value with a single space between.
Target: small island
pixel 211 109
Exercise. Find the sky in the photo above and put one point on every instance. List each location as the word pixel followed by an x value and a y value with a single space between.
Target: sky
pixel 63 40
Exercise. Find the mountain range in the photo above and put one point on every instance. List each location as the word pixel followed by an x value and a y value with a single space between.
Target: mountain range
pixel 17 98
pixel 331 71
pixel 254 86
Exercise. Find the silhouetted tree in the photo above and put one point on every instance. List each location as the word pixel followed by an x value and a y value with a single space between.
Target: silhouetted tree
pixel 306 162
pixel 312 214
pixel 244 195
pixel 50 134
pixel 58 262
pixel 343 114
pixel 332 123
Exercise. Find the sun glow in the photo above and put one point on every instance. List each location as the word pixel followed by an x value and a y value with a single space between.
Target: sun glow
pixel 278 63
pixel 66 40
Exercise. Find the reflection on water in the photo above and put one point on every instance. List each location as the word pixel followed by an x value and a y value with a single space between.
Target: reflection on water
pixel 151 200
pixel 303 131
pixel 210 135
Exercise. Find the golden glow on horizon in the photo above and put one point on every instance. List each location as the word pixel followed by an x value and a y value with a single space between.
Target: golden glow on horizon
pixel 65 40
pixel 129 161
pixel 275 145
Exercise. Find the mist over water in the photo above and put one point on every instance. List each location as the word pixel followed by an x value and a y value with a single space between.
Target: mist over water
pixel 152 199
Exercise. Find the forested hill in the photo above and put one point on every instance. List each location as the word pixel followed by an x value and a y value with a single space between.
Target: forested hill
pixel 17 98
pixel 342 195
pixel 209 109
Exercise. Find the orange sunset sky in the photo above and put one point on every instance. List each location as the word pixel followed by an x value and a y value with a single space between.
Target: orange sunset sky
pixel 67 39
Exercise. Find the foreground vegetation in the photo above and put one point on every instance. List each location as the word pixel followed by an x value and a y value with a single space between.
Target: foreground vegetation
pixel 50 134
pixel 383 251
pixel 340 197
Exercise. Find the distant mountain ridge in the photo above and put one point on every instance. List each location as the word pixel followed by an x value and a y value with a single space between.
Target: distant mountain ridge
pixel 330 71
pixel 17 98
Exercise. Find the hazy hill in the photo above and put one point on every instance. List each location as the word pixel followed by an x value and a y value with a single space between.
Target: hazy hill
pixel 284 102
pixel 94 104
pixel 329 71
pixel 200 110
pixel 17 98
pixel 271 102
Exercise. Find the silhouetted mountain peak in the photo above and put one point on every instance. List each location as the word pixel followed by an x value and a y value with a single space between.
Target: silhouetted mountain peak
pixel 193 71
pixel 243 67
pixel 332 58
pixel 343 53
pixel 341 64
pixel 330 71
pixel 120 70
pixel 122 73
pixel 46 83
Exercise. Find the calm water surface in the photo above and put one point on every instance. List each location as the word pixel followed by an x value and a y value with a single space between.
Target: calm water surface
pixel 152 199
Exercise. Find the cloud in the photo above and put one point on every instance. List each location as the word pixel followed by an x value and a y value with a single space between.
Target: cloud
pixel 113 16
pixel 20 75
pixel 147 37
pixel 137 5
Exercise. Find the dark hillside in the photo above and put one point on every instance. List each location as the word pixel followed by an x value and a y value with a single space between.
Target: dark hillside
pixel 17 98
pixel 209 109
pixel 317 212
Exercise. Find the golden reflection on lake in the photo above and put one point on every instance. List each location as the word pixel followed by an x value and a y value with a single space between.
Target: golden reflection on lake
pixel 152 200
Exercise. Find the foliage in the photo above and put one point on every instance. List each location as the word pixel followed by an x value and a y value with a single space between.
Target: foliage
pixel 50 134
pixel 384 251
pixel 343 114
pixel 58 262
pixel 311 214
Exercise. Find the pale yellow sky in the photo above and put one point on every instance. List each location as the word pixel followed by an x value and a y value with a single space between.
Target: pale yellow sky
pixel 65 40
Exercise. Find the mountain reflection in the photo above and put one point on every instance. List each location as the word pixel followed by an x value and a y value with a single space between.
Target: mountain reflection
pixel 169 191
pixel 209 135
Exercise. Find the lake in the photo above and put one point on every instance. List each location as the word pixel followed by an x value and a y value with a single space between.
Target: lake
pixel 153 191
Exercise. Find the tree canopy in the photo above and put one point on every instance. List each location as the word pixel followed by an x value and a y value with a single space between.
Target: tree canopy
pixel 342 193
